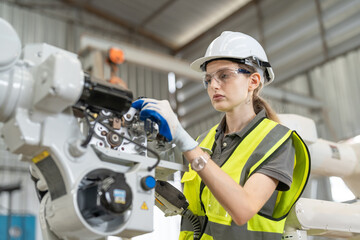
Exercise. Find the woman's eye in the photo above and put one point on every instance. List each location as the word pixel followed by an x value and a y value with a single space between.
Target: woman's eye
pixel 223 76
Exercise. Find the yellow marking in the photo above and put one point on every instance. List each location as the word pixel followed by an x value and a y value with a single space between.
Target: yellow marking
pixel 41 156
pixel 144 206
pixel 159 201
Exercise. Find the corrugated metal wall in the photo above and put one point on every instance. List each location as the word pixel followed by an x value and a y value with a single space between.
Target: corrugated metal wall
pixel 32 27
pixel 337 84
pixel 145 82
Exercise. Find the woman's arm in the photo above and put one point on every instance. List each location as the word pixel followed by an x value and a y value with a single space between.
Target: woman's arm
pixel 242 203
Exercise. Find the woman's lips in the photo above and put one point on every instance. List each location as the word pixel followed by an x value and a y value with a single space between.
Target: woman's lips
pixel 218 97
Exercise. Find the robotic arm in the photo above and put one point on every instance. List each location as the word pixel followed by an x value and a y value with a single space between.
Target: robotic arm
pixel 97 185
pixel 324 218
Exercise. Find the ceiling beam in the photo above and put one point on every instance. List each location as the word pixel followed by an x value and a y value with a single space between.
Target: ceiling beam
pixel 322 29
pixel 234 14
pixel 144 57
pixel 71 19
pixel 157 12
pixel 37 4
pixel 102 14
pixel 286 96
pixel 260 22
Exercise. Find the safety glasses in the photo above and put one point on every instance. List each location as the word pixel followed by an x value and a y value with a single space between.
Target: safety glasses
pixel 223 75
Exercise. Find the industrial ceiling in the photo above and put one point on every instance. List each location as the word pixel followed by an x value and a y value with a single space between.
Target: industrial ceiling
pixel 170 23
pixel 296 35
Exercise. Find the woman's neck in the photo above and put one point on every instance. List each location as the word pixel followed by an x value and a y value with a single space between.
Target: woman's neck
pixel 236 120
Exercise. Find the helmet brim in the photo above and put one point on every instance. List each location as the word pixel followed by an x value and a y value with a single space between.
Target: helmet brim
pixel 196 65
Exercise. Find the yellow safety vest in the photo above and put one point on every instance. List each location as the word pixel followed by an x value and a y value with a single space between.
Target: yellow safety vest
pixel 245 160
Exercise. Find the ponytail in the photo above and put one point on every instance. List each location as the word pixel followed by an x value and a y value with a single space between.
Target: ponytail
pixel 259 104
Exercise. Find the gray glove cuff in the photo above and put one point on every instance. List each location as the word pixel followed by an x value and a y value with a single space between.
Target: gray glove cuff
pixel 183 140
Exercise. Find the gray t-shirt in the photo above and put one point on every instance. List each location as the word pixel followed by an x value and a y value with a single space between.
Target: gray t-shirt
pixel 279 165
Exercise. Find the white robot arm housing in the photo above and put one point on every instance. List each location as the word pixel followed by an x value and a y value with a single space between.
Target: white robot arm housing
pixel 98 184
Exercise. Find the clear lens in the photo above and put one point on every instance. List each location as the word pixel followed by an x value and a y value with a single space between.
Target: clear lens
pixel 225 75
pixel 222 76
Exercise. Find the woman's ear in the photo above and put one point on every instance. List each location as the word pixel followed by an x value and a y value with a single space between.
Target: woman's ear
pixel 254 81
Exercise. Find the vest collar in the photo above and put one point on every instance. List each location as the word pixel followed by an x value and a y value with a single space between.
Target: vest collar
pixel 220 130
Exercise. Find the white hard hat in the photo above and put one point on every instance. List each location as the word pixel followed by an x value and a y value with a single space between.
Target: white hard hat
pixel 239 46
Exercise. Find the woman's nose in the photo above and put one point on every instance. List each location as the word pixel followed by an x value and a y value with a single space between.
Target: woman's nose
pixel 215 84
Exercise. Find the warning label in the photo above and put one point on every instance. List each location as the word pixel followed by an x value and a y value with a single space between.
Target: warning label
pixel 335 153
pixel 120 196
pixel 40 157
pixel 144 206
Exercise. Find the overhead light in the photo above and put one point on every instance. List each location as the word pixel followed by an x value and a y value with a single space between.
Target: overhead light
pixel 172 82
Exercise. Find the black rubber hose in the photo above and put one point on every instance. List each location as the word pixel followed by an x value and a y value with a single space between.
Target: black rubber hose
pixel 91 129
pixel 194 220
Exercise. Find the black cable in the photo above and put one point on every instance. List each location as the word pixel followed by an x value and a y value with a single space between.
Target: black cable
pixel 194 220
pixel 130 140
pixel 138 144
pixel 91 129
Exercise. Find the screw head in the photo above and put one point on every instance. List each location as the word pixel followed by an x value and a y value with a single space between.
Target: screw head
pixel 115 137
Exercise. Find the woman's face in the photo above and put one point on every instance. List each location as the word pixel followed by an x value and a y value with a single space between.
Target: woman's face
pixel 231 94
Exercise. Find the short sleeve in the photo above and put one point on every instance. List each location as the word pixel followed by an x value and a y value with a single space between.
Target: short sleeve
pixel 280 165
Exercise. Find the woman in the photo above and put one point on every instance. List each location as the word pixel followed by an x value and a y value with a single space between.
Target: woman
pixel 247 185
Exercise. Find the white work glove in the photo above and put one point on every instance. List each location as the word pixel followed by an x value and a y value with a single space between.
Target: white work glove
pixel 161 113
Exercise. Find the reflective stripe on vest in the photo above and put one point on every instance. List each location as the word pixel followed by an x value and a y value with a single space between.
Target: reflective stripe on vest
pixel 249 155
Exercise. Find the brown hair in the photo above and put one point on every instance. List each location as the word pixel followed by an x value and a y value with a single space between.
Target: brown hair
pixel 258 102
